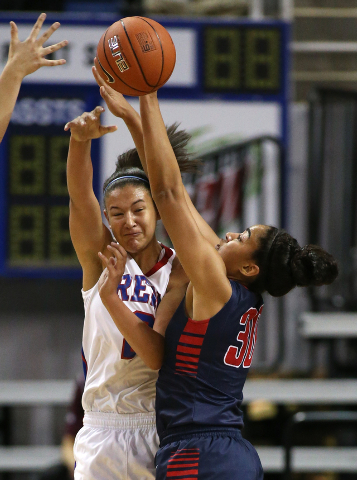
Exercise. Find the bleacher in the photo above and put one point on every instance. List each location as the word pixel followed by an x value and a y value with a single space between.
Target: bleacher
pixel 17 394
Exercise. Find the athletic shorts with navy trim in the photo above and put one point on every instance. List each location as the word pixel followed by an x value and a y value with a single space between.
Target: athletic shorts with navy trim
pixel 209 455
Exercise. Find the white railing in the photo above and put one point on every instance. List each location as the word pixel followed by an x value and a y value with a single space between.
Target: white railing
pixel 325 12
pixel 256 9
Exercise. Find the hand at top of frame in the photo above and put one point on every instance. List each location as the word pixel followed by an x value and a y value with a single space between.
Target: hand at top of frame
pixel 28 56
pixel 115 101
pixel 87 126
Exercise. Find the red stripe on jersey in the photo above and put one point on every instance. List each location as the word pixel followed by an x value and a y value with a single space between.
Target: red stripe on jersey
pixel 184 365
pixel 187 359
pixel 184 459
pixel 168 254
pixel 196 326
pixel 193 351
pixel 182 472
pixel 187 456
pixel 191 340
pixel 192 373
pixel 178 465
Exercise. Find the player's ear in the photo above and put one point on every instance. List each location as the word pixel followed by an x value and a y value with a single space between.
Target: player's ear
pixel 106 215
pixel 250 270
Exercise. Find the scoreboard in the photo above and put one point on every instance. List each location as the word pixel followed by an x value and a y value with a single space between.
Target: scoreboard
pixel 217 60
pixel 34 206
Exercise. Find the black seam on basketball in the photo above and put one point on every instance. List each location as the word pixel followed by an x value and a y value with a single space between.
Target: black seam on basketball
pixel 126 33
pixel 110 78
pixel 162 51
pixel 105 54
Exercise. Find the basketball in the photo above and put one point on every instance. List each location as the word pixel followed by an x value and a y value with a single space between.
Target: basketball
pixel 136 56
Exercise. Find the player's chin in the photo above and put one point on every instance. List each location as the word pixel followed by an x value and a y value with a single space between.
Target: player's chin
pixel 135 245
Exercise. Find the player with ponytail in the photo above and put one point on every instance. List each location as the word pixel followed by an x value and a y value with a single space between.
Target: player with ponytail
pixel 119 439
pixel 209 342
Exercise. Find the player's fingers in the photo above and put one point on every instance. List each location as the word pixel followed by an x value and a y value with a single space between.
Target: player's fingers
pixel 14 32
pixel 79 121
pixel 111 264
pixel 45 36
pixel 119 248
pixel 86 117
pixel 52 63
pixel 96 75
pixel 122 250
pixel 104 92
pixel 114 249
pixel 103 258
pixel 55 47
pixel 89 117
pixel 72 123
pixel 37 27
pixel 109 129
pixel 98 111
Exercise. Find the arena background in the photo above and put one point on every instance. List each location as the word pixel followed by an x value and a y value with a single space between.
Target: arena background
pixel 313 116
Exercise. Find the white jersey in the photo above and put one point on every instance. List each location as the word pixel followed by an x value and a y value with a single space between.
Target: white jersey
pixel 117 380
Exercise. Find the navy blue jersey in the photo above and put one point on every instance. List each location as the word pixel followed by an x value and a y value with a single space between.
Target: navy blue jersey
pixel 206 364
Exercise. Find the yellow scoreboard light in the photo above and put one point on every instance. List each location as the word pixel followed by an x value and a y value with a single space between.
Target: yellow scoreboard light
pixel 242 59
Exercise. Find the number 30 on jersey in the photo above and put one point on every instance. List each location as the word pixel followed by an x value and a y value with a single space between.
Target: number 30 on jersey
pixel 243 355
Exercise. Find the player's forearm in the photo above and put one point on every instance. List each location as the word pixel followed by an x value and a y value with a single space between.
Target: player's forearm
pixel 146 342
pixel 10 83
pixel 79 170
pixel 163 170
pixel 133 123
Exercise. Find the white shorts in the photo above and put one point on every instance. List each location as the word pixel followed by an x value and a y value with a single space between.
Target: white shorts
pixel 110 446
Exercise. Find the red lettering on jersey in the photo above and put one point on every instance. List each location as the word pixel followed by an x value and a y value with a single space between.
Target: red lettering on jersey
pixel 236 356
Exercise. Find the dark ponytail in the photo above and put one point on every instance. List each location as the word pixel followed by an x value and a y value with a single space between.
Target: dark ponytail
pixel 129 164
pixel 283 264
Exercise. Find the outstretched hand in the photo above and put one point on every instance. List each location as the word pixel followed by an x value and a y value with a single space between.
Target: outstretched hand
pixel 111 276
pixel 115 101
pixel 87 126
pixel 28 56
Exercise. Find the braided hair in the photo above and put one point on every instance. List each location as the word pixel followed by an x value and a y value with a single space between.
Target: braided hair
pixel 284 264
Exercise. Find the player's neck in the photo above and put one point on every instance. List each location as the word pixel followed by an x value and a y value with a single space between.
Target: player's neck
pixel 148 257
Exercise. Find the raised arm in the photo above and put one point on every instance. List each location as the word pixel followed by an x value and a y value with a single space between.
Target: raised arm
pixel 120 107
pixel 201 262
pixel 88 233
pixel 24 58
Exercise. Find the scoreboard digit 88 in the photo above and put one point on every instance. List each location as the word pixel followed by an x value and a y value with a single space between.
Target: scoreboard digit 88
pixel 35 202
pixel 242 59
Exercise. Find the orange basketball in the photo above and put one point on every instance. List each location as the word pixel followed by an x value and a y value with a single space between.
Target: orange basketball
pixel 136 55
